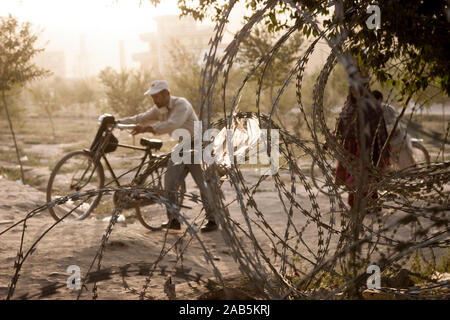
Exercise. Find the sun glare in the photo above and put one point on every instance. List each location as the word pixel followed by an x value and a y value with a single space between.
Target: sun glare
pixel 94 26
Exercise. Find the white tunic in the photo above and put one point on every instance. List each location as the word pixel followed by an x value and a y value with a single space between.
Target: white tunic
pixel 179 114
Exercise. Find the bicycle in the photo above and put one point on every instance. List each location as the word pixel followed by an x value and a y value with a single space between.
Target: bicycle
pixel 420 155
pixel 83 170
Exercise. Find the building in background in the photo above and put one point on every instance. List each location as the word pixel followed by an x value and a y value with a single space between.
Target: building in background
pixel 55 61
pixel 83 65
pixel 172 28
pixel 122 57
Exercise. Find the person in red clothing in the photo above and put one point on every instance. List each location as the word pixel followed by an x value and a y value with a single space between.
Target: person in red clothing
pixel 348 134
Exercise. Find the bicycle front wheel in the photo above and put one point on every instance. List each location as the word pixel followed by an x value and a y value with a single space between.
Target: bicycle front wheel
pixel 75 172
pixel 153 216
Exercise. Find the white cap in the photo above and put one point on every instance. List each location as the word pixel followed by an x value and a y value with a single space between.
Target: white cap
pixel 157 86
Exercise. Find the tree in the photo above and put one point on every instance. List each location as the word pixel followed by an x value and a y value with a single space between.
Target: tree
pixel 47 100
pixel 413 34
pixel 185 80
pixel 65 91
pixel 258 44
pixel 185 73
pixel 125 90
pixel 16 100
pixel 17 49
pixel 84 92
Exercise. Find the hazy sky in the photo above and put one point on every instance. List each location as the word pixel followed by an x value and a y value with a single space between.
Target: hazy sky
pixel 103 23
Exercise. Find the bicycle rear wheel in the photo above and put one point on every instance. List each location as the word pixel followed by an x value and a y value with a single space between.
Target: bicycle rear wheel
pixel 75 172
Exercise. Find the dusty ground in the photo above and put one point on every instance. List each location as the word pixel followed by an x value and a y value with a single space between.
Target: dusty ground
pixel 76 243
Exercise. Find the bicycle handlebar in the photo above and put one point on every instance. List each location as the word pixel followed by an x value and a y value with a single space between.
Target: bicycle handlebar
pixel 122 126
pixel 112 123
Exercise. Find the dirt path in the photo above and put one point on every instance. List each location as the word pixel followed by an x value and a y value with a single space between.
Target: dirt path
pixel 76 243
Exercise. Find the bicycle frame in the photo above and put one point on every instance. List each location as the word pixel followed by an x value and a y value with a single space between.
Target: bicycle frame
pixel 147 155
pixel 149 166
pixel 100 143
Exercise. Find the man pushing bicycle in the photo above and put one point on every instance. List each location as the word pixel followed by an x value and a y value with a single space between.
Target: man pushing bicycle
pixel 172 113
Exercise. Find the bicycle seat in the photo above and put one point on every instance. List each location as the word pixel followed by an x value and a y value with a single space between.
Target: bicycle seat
pixel 151 143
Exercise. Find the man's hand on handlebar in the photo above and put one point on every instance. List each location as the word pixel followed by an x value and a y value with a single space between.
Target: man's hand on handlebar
pixel 141 129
